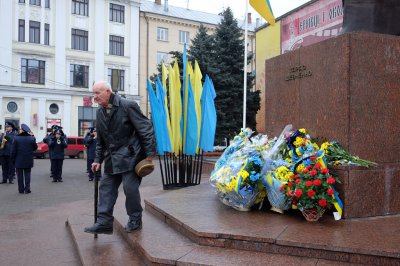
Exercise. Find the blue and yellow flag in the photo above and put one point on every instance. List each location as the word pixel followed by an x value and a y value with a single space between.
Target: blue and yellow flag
pixel 263 7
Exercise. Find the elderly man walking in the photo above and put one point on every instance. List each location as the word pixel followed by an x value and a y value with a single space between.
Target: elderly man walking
pixel 124 138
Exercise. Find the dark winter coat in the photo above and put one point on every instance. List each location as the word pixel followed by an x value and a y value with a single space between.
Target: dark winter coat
pixel 90 143
pixel 22 152
pixel 124 136
pixel 56 148
pixel 6 151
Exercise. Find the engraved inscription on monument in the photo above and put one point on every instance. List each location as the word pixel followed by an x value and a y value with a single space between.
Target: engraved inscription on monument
pixel 298 72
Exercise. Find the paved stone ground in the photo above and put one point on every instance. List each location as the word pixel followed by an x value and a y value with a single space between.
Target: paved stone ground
pixel 46 194
pixel 32 226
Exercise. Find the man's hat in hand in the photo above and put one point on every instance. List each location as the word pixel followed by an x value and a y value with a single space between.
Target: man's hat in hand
pixel 144 168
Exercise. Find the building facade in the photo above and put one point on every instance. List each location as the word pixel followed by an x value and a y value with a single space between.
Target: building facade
pixel 51 52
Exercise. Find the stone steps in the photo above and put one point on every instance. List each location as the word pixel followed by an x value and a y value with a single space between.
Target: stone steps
pixel 197 213
pixel 160 244
pixel 103 250
pixel 189 226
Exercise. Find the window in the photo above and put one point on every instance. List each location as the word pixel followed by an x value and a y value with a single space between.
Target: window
pixel 183 36
pixel 162 34
pixel 116 78
pixel 46 34
pixel 21 1
pixel 116 45
pixel 53 108
pixel 117 13
pixel 79 76
pixel 80 7
pixel 12 107
pixel 86 119
pixel 32 71
pixel 21 30
pixel 161 56
pixel 71 141
pixel 79 40
pixel 47 3
pixel 34 31
pixel 34 2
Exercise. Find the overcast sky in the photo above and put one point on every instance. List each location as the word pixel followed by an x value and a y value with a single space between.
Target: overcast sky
pixel 279 7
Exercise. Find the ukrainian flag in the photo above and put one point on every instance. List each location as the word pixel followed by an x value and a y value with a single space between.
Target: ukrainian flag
pixel 263 7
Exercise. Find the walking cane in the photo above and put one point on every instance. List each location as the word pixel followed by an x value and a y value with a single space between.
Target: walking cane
pixel 96 196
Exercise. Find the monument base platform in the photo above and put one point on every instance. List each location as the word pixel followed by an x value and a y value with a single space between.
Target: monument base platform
pixel 190 226
pixel 345 89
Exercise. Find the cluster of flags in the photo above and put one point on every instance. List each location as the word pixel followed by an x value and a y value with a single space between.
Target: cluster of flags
pixel 184 115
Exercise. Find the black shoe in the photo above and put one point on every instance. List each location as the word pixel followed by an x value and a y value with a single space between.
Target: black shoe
pixel 21 192
pixel 11 182
pixel 3 182
pixel 60 180
pixel 27 191
pixel 99 229
pixel 133 226
pixel 54 180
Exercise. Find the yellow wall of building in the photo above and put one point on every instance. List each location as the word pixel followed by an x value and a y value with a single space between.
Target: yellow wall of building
pixel 268 45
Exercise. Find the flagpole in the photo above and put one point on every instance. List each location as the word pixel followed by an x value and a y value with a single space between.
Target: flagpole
pixel 245 65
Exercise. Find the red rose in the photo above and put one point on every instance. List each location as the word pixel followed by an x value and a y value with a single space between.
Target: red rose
pixel 331 180
pixel 309 183
pixel 294 201
pixel 298 192
pixel 330 191
pixel 292 177
pixel 290 193
pixel 325 171
pixel 309 167
pixel 317 182
pixel 317 166
pixel 313 172
pixel 305 171
pixel 290 184
pixel 297 181
pixel 296 176
pixel 311 193
pixel 322 202
pixel 282 187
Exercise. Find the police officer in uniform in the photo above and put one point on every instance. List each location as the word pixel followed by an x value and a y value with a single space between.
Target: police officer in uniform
pixel 57 144
pixel 7 165
pixel 90 143
pixel 22 155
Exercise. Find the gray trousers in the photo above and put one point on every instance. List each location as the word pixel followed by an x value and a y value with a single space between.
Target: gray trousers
pixel 108 193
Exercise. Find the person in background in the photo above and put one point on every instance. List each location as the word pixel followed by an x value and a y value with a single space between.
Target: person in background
pixel 57 144
pixel 124 138
pixel 22 155
pixel 6 142
pixel 90 143
pixel 46 140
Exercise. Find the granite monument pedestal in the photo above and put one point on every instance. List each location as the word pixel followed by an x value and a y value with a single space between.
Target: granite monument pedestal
pixel 346 89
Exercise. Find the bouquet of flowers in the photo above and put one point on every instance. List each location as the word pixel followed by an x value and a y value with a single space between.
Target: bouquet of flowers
pixel 311 190
pixel 335 154
pixel 273 181
pixel 237 174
